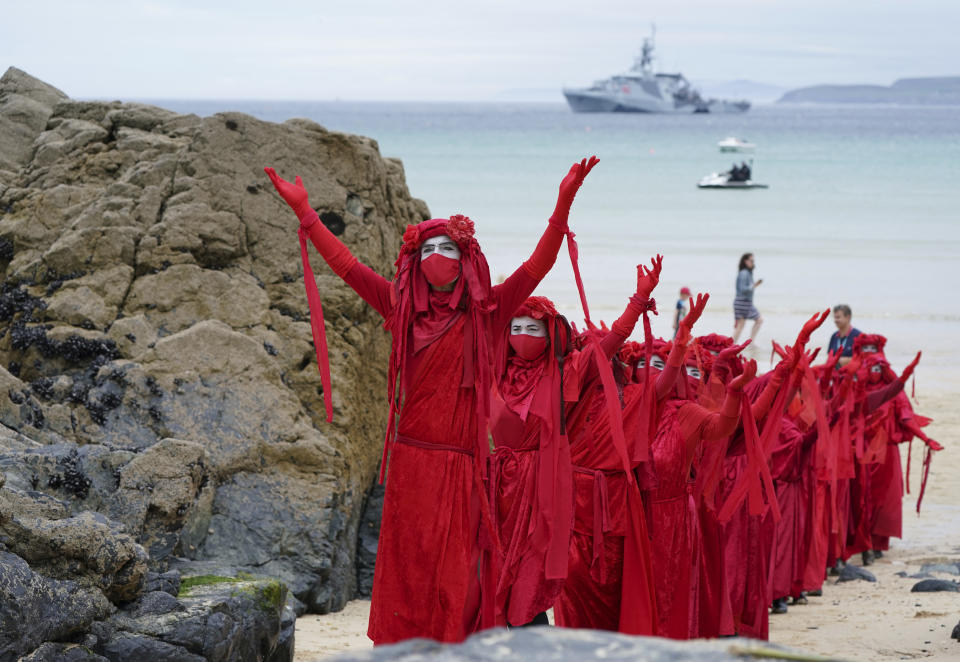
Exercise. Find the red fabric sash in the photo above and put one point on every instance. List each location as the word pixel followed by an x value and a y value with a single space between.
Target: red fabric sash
pixel 317 325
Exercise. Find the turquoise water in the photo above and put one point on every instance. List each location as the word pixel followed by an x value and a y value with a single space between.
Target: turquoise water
pixel 863 206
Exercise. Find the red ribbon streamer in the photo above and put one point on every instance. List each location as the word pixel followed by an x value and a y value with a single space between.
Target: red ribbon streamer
pixel 317 325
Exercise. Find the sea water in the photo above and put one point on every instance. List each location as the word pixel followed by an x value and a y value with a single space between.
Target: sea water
pixel 863 207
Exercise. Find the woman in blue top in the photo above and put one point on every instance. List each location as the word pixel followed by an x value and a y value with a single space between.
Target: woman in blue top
pixel 743 308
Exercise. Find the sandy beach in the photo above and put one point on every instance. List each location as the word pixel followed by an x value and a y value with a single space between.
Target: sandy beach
pixel 855 620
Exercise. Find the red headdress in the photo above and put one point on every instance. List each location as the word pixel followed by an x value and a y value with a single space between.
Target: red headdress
pixel 715 342
pixel 869 339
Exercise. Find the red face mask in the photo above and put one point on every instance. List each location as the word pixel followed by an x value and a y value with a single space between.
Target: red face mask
pixel 528 347
pixel 440 270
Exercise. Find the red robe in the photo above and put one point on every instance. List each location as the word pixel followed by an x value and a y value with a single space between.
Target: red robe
pixel 609 584
pixel 427 575
pixel 676 543
pixel 531 487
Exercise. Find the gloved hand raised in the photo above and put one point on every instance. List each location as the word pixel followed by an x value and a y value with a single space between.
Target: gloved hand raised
pixel 811 325
pixel 909 369
pixel 568 190
pixel 648 277
pixel 696 309
pixel 295 195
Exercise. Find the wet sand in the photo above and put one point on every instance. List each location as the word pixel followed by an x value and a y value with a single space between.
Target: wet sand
pixel 854 620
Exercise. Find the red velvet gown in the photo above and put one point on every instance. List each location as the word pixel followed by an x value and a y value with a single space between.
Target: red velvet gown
pixel 528 584
pixel 892 427
pixel 609 583
pixel 676 545
pixel 426 577
pixel 788 467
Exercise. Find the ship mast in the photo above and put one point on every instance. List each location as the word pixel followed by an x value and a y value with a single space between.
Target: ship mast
pixel 645 64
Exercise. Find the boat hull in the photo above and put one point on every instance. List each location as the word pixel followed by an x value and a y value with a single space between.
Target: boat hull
pixel 588 101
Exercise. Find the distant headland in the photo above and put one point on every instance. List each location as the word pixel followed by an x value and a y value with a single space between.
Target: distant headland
pixel 941 91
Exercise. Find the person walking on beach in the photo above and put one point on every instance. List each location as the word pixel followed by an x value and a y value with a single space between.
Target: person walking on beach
pixel 843 338
pixel 445 317
pixel 681 309
pixel 743 308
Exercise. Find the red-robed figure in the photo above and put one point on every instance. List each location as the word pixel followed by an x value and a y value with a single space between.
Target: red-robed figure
pixel 531 493
pixel 444 317
pixel 609 585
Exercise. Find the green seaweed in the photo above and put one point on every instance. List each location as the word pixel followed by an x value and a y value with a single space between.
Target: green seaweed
pixel 188 583
pixel 268 594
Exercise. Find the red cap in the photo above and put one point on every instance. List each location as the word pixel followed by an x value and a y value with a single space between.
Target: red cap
pixel 685 290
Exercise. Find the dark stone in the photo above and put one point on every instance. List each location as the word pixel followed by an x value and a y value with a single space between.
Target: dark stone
pixel 851 573
pixel 956 632
pixel 168 582
pixel 221 622
pixel 368 533
pixel 155 602
pixel 935 585
pixel 6 249
pixel 34 609
pixel 127 646
pixel 51 652
pixel 283 652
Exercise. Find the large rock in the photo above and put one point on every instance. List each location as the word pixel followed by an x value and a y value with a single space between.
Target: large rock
pixel 156 360
pixel 160 407
pixel 547 644
pixel 225 621
pixel 87 548
pixel 35 609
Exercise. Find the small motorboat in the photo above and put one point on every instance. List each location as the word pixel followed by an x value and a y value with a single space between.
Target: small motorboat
pixel 732 144
pixel 724 180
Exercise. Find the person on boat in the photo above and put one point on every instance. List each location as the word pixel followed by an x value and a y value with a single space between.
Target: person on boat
pixel 744 172
pixel 743 308
pixel 735 174
pixel 444 316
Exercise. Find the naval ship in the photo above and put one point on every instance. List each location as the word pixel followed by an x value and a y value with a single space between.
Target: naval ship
pixel 640 90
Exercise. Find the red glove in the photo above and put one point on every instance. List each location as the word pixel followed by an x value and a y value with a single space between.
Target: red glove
pixel 853 366
pixel 832 359
pixel 295 195
pixel 812 325
pixel 731 352
pixel 648 277
pixel 696 309
pixel 568 190
pixel 934 446
pixel 745 377
pixel 909 369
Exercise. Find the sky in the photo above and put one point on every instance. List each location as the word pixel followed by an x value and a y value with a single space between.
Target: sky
pixel 461 51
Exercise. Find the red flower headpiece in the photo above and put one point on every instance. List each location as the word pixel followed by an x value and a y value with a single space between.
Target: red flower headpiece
pixel 460 229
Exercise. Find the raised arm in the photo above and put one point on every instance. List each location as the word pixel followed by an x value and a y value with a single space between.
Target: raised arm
pixel 876 398
pixel 647 279
pixel 521 283
pixel 371 286
pixel 721 424
pixel 674 367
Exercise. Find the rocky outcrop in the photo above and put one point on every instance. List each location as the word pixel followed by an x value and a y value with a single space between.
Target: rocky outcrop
pixel 158 386
pixel 546 644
